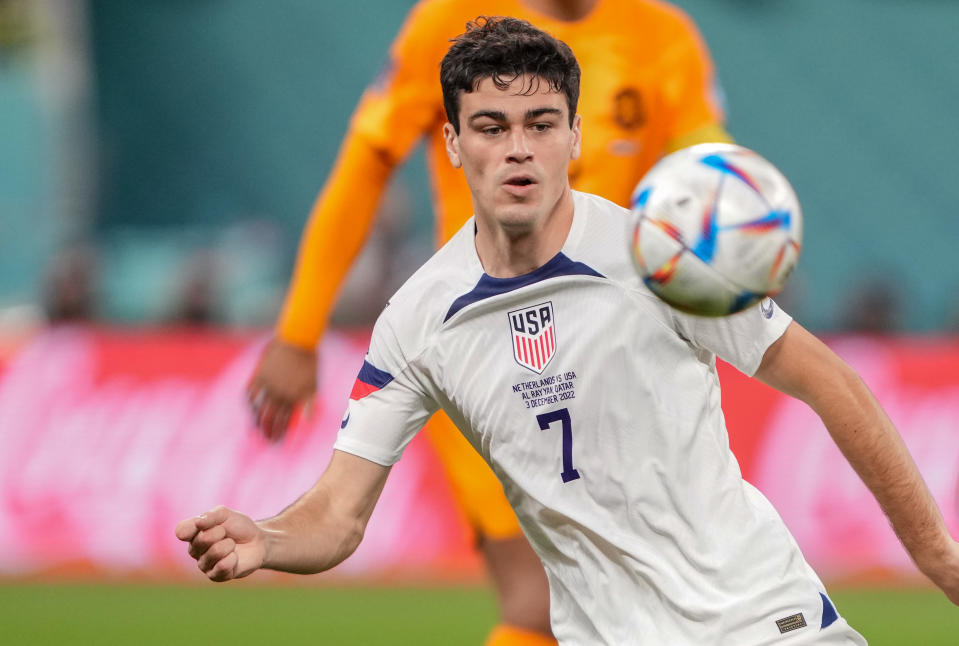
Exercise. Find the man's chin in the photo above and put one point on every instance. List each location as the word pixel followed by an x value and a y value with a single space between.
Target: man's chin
pixel 517 220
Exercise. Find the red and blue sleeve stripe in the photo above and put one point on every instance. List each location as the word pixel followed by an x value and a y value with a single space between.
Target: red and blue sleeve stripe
pixel 369 380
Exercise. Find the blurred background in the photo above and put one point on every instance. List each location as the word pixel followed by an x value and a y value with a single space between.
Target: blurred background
pixel 164 154
pixel 158 159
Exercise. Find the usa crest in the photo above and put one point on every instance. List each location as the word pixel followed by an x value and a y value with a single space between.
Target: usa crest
pixel 533 334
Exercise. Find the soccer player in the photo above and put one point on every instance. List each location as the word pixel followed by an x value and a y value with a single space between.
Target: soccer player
pixel 595 403
pixel 649 89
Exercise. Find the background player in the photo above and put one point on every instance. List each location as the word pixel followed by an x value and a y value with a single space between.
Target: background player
pixel 648 530
pixel 647 90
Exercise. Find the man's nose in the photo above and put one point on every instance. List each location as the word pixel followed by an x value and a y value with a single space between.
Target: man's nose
pixel 519 148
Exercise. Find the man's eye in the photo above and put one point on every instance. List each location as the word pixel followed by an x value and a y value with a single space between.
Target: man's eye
pixel 541 127
pixel 492 130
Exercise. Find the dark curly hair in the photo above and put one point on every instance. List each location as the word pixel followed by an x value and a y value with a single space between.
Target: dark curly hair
pixel 503 49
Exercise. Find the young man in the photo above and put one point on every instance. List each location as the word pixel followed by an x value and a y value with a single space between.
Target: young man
pixel 595 403
pixel 649 89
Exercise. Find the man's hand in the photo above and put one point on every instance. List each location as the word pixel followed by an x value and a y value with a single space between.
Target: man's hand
pixel 225 543
pixel 284 378
pixel 942 567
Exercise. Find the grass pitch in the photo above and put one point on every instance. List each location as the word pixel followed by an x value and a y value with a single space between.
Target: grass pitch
pixel 241 613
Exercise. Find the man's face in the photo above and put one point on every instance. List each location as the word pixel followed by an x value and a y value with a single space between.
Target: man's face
pixel 515 151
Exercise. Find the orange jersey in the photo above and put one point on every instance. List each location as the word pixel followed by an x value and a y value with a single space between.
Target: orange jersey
pixel 647 86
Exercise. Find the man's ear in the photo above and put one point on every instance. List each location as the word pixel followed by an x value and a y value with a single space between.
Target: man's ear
pixel 577 134
pixel 452 145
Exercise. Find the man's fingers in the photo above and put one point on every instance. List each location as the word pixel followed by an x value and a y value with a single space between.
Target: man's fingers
pixel 271 414
pixel 284 377
pixel 255 395
pixel 282 421
pixel 186 529
pixel 214 538
pixel 275 421
pixel 215 516
pixel 267 415
pixel 212 556
pixel 212 535
pixel 206 539
pixel 225 568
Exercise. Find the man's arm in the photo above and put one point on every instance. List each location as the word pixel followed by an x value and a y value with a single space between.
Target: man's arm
pixel 339 224
pixel 692 91
pixel 392 116
pixel 317 532
pixel 800 365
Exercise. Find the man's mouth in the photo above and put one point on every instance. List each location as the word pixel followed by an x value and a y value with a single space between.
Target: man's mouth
pixel 519 181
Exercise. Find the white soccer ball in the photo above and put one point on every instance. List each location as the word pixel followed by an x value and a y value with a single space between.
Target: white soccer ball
pixel 715 229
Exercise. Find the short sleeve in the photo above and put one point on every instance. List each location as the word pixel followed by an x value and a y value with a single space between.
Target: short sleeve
pixel 740 339
pixel 389 402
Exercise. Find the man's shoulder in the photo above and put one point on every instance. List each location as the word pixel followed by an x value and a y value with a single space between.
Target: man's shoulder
pixel 430 24
pixel 604 220
pixel 658 26
pixel 661 12
pixel 605 240
pixel 597 203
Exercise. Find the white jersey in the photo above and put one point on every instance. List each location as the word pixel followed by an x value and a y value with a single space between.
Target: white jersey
pixel 598 407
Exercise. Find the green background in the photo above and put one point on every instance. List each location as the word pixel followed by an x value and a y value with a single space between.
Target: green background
pixel 214 113
pixel 243 613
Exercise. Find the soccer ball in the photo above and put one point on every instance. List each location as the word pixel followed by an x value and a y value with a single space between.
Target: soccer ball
pixel 715 229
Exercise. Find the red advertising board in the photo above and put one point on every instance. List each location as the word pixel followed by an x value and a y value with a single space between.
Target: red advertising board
pixel 108 438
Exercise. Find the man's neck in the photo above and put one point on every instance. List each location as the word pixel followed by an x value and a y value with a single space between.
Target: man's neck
pixel 565 10
pixel 506 254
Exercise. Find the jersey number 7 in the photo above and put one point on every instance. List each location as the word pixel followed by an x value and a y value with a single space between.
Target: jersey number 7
pixel 562 415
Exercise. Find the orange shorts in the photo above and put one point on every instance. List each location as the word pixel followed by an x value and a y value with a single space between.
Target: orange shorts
pixel 475 486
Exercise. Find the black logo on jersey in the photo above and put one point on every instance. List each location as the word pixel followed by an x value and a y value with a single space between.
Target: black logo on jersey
pixel 793 622
pixel 533 336
pixel 628 110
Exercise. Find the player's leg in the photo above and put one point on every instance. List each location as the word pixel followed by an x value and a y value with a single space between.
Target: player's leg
pixel 516 572
pixel 504 635
pixel 522 590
